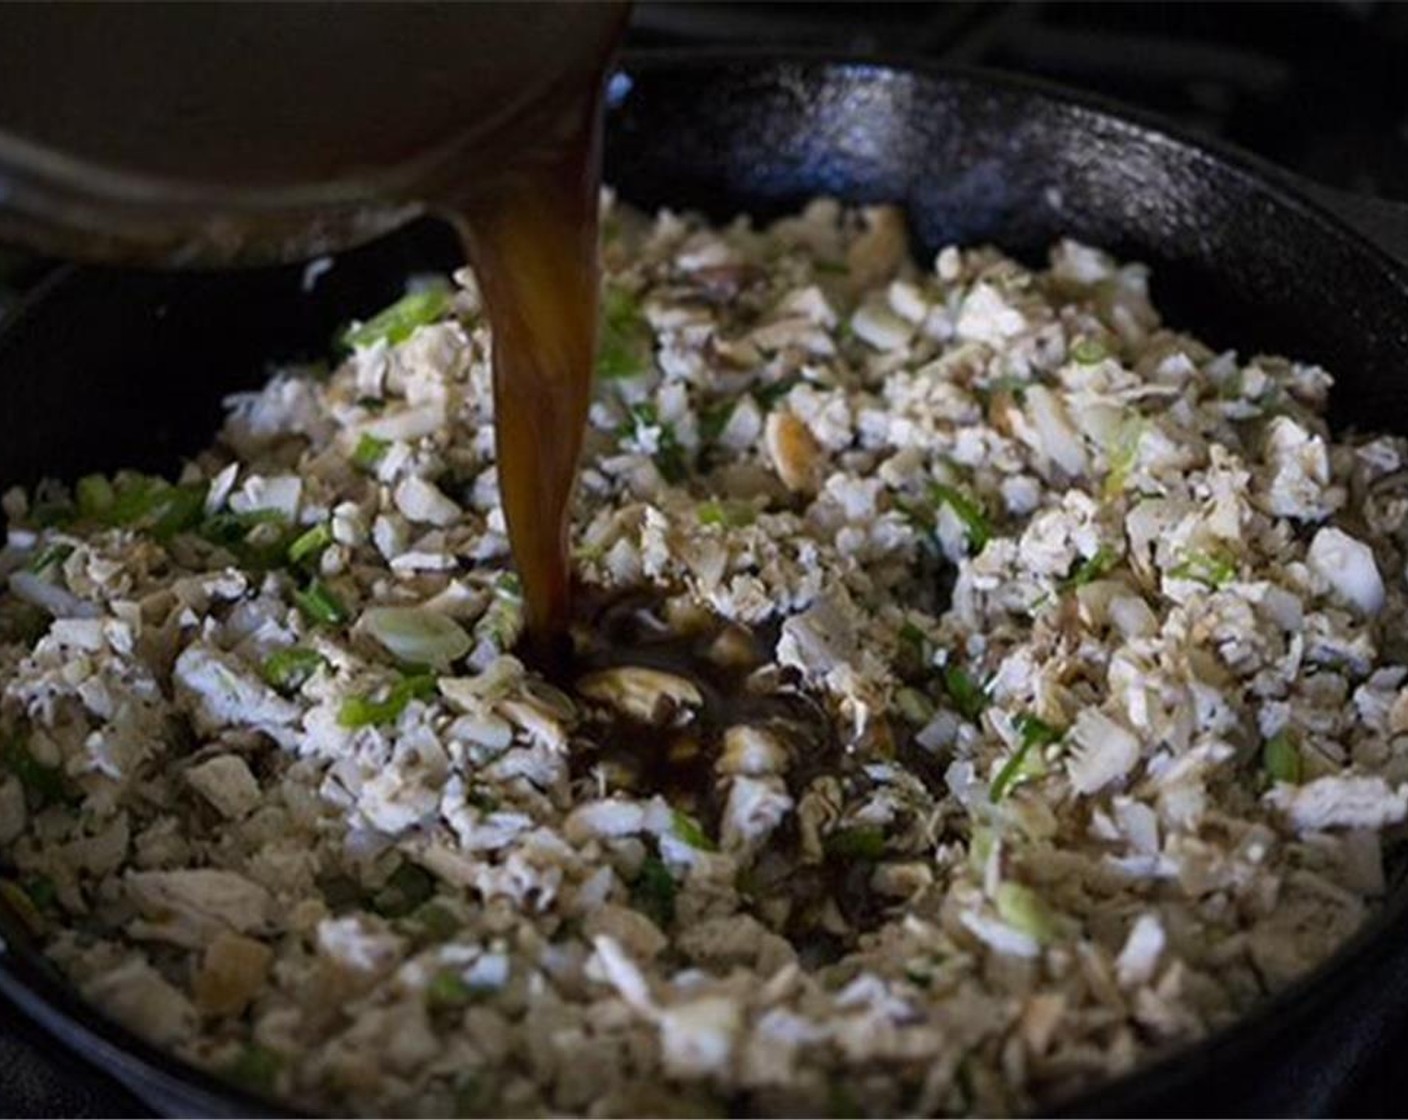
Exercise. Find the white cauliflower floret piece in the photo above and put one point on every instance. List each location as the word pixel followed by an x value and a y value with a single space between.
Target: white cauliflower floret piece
pixel 1300 472
pixel 986 317
pixel 1349 801
pixel 1140 955
pixel 139 998
pixel 1348 566
pixel 221 692
pixel 422 501
pixel 226 782
pixel 1104 751
pixel 1056 438
pixel 755 807
pixel 697 1038
pixel 358 945
pixel 277 493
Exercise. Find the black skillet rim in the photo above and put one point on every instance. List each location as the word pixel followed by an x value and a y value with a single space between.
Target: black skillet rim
pixel 161 1079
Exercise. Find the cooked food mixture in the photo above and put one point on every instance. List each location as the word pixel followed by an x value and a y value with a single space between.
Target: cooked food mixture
pixel 979 688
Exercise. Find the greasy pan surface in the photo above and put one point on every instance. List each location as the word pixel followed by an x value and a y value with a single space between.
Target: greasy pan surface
pixel 104 368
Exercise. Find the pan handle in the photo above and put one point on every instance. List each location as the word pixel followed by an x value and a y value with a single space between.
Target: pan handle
pixel 1383 222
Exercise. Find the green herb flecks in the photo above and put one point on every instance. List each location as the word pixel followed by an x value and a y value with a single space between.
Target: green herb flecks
pixel 1034 732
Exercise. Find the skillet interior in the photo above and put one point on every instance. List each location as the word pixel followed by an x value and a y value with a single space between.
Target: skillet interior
pixel 108 368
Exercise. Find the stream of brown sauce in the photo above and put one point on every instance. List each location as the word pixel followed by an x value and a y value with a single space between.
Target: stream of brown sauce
pixel 248 133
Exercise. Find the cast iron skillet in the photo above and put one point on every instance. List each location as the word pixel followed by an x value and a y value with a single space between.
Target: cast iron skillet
pixel 105 368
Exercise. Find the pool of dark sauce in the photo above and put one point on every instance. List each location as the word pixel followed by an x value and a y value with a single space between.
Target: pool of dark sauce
pixel 274 131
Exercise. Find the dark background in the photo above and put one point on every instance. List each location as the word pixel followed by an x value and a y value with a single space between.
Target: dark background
pixel 1320 88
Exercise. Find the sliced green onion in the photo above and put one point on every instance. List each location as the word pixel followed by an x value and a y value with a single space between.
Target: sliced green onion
pixel 967 695
pixel 1123 456
pixel 255 1068
pixel 975 521
pixel 257 538
pixel 917 644
pixel 399 321
pixel 1281 759
pixel 363 711
pixel 1088 351
pixel 863 842
pixel 417 636
pixel 914 706
pixel 137 496
pixel 714 418
pixel 1091 568
pixel 730 514
pixel 179 509
pixel 691 831
pixel 319 603
pixel 1035 733
pixel 369 451
pixel 627 342
pixel 50 556
pixel 1023 909
pixel 310 545
pixel 653 892
pixel 289 669
pixel 95 496
pixel 670 457
pixel 1211 569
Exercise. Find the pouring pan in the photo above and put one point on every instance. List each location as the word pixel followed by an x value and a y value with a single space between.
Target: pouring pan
pixel 103 368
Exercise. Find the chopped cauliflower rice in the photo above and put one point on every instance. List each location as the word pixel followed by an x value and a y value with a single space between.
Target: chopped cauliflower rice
pixel 981 688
